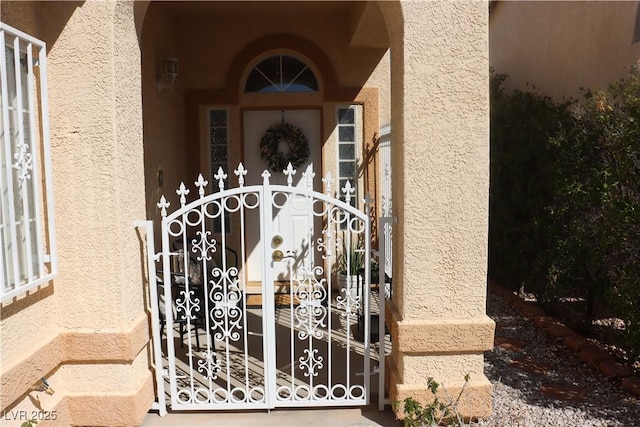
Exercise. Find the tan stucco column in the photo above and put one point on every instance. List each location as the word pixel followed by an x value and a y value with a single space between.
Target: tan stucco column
pixel 97 156
pixel 440 122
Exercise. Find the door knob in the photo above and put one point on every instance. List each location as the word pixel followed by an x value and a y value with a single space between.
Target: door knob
pixel 277 256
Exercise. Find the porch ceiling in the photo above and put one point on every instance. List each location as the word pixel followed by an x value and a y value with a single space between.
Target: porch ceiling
pixel 367 25
pixel 199 8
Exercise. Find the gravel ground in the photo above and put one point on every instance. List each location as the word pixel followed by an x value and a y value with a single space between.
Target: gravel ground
pixel 517 399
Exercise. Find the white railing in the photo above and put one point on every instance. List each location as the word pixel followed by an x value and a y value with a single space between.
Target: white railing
pixel 385 184
pixel 27 241
pixel 385 224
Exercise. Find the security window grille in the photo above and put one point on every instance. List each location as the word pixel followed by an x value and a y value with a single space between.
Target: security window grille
pixel 219 152
pixel 27 241
pixel 348 140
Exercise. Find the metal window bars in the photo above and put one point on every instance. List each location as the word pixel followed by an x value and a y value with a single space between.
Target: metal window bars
pixel 27 238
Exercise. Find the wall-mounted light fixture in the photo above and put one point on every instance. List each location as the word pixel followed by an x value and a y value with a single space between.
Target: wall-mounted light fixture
pixel 169 74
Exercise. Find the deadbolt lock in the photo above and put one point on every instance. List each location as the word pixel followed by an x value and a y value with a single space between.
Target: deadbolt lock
pixel 276 241
pixel 277 256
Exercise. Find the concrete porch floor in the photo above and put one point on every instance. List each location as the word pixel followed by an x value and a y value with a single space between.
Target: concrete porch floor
pixel 334 417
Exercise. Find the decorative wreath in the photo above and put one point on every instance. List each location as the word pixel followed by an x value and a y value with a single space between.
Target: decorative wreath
pixel 270 147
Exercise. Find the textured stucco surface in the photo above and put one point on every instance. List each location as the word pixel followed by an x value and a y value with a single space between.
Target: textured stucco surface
pixel 440 336
pixel 560 46
pixel 95 111
pixel 475 400
pixel 445 151
pixel 96 130
pixel 439 109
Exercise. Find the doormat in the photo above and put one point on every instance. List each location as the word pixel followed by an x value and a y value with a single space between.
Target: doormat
pixel 282 300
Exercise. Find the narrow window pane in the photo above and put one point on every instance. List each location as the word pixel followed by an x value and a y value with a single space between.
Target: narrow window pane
pixel 219 154
pixel 218 118
pixel 219 151
pixel 347 169
pixel 347 151
pixel 346 134
pixel 219 136
pixel 346 116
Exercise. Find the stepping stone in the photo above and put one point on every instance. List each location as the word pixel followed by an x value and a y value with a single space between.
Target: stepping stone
pixel 613 369
pixel 510 344
pixel 632 385
pixel 593 355
pixel 564 392
pixel 529 365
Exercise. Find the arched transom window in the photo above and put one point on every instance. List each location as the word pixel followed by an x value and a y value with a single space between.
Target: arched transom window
pixel 281 73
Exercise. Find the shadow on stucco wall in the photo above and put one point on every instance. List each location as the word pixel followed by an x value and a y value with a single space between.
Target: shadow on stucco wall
pixel 54 17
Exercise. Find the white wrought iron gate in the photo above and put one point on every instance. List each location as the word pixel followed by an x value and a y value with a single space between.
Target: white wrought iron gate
pixel 299 342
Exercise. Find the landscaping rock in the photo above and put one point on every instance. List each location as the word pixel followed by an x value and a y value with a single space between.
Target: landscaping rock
pixel 563 392
pixel 529 365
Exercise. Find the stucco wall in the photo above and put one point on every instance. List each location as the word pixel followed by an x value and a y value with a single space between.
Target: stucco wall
pixel 560 46
pixel 87 330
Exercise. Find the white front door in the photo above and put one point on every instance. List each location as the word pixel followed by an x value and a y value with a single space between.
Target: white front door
pixel 295 226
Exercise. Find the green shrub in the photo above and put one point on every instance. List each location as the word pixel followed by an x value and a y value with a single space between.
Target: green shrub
pixel 522 124
pixel 433 413
pixel 596 209
pixel 565 197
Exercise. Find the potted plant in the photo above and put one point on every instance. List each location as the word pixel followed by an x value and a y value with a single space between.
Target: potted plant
pixel 350 263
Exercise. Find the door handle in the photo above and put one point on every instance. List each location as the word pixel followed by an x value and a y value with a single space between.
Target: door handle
pixel 277 255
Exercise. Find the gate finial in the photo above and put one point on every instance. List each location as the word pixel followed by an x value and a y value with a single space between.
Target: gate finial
pixel 220 176
pixel 308 175
pixel 289 172
pixel 265 177
pixel 201 183
pixel 348 191
pixel 163 205
pixel 240 173
pixel 327 183
pixel 182 192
